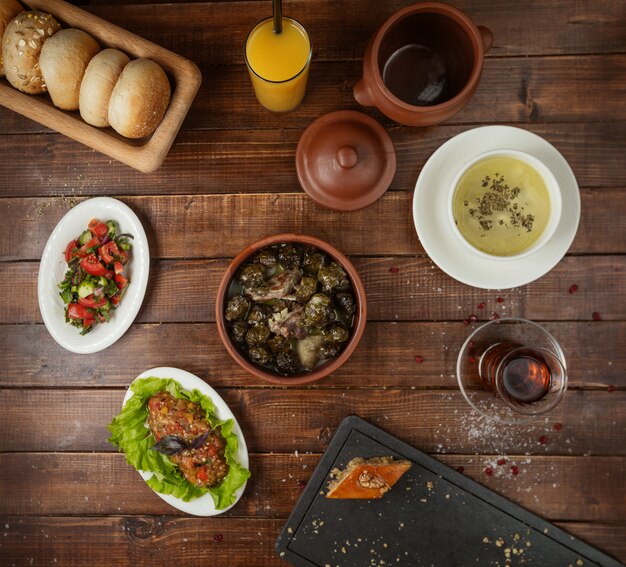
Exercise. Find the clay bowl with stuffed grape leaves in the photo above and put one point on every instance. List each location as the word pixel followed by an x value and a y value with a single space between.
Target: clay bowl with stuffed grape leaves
pixel 291 309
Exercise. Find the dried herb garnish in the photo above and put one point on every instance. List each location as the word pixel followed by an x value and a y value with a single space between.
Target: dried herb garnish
pixel 499 198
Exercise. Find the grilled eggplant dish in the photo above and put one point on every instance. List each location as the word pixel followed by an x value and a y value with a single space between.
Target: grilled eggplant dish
pixel 176 434
pixel 183 434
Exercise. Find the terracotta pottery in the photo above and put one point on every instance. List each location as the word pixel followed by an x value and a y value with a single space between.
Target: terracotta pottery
pixel 345 160
pixel 424 64
pixel 357 328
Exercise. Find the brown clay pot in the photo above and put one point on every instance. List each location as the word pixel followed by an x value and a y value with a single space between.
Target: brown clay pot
pixel 459 46
pixel 357 328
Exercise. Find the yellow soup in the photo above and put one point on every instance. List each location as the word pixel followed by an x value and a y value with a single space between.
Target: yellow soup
pixel 278 64
pixel 501 206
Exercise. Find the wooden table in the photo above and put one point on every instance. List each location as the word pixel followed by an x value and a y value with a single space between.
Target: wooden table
pixel 67 498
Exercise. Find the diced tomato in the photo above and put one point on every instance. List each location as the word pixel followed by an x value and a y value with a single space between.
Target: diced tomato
pixel 103 252
pixel 92 265
pixel 202 474
pixel 91 302
pixel 123 256
pixel 115 299
pixel 101 319
pixel 117 266
pixel 76 311
pixel 68 251
pixel 82 251
pixel 88 323
pixel 108 252
pixel 98 228
pixel 121 281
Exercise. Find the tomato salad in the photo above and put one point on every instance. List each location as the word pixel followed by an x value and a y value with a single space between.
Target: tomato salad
pixel 96 278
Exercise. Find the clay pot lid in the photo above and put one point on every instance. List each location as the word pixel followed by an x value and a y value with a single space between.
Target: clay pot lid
pixel 345 160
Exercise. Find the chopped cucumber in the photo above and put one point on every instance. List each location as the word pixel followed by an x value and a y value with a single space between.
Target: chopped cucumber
pixel 111 225
pixel 103 281
pixel 85 289
pixel 66 296
pixel 124 245
pixel 85 237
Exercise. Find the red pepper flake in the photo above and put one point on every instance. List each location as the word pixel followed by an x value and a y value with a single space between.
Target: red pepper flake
pixel 472 318
pixel 218 538
pixel 489 471
pixel 610 389
pixel 471 358
pixel 419 359
pixel 461 469
pixel 515 470
pixel 465 322
pixel 494 316
pixel 301 484
pixel 596 316
pixel 499 300
pixel 501 462
pixel 481 305
pixel 573 288
pixel 543 439
pixel 394 270
pixel 558 426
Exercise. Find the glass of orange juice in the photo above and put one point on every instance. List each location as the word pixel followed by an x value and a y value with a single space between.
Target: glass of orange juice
pixel 278 63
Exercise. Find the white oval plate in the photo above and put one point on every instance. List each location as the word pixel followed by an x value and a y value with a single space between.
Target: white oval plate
pixel 53 267
pixel 204 505
pixel 430 213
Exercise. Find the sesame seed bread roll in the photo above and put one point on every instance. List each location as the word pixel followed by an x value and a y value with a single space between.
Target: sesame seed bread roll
pixel 139 99
pixel 24 37
pixel 8 9
pixel 99 80
pixel 63 60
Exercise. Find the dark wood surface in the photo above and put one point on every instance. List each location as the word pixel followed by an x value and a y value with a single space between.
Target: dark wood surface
pixel 67 498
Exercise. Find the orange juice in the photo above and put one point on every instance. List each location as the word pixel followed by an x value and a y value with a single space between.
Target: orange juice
pixel 278 64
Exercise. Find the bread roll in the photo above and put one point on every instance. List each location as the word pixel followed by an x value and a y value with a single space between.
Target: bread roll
pixel 139 99
pixel 100 77
pixel 63 60
pixel 8 9
pixel 24 37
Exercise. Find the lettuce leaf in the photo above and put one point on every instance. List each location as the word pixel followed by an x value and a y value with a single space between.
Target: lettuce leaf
pixel 131 435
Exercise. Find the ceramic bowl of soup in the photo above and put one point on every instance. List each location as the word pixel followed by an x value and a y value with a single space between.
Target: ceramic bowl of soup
pixel 504 204
pixel 291 309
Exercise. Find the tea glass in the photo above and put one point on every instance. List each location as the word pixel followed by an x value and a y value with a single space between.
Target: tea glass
pixel 480 369
pixel 278 63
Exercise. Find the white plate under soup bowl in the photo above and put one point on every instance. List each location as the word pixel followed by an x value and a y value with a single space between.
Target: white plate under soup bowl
pixel 53 267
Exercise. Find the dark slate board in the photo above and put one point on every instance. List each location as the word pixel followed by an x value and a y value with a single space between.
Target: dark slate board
pixel 433 517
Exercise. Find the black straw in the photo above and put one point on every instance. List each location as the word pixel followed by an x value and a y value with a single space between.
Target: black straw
pixel 278 15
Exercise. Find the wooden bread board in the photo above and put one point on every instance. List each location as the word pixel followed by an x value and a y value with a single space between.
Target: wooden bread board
pixel 146 155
